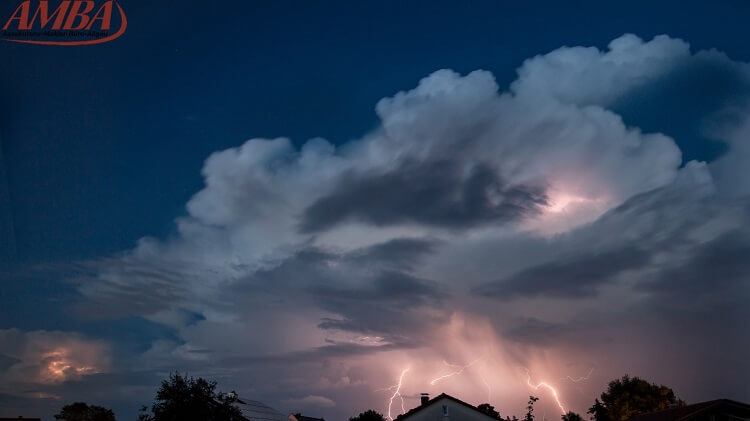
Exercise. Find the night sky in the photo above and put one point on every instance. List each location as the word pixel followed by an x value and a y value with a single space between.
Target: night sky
pixel 302 200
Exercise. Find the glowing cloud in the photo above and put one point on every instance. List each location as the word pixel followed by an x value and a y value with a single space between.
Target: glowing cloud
pixel 53 357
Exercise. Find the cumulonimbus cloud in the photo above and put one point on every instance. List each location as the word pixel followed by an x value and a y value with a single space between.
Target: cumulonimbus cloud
pixel 296 258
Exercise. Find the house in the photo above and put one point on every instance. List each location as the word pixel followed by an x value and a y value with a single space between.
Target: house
pixel 300 417
pixel 444 408
pixel 716 410
pixel 258 411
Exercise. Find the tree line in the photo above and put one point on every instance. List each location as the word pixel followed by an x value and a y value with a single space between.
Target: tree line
pixel 183 398
pixel 624 398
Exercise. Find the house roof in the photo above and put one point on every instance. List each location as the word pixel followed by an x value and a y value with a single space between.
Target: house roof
pixel 437 398
pixel 20 418
pixel 300 417
pixel 688 411
pixel 258 411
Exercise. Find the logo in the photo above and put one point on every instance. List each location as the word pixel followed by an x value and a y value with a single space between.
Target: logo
pixel 71 22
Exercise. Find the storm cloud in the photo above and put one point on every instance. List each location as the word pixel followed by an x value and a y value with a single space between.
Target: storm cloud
pixel 436 194
pixel 575 277
pixel 530 229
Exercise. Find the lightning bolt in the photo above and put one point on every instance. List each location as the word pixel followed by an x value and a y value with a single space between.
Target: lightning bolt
pixel 546 386
pixel 579 379
pixel 489 390
pixel 454 373
pixel 397 392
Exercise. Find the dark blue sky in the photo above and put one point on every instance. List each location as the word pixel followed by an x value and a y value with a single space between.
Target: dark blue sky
pixel 103 144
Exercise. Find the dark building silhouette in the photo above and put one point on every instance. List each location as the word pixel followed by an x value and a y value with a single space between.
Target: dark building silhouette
pixel 300 417
pixel 258 411
pixel 20 418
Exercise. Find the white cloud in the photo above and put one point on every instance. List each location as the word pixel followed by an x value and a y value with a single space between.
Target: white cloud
pixel 586 75
pixel 310 400
pixel 238 257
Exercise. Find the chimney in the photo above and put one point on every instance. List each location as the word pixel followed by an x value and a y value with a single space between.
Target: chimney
pixel 424 397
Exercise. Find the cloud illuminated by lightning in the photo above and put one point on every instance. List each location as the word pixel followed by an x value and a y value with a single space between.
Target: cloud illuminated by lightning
pixel 546 386
pixel 60 367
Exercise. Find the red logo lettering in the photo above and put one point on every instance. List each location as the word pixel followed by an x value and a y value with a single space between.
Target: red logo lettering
pixel 68 15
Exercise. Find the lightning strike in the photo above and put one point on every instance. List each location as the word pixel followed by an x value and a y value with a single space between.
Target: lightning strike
pixel 580 379
pixel 487 385
pixel 454 373
pixel 59 367
pixel 397 393
pixel 548 387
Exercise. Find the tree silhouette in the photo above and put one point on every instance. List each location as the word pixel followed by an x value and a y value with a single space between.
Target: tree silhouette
pixel 571 416
pixel 530 409
pixel 369 415
pixel 598 411
pixel 183 398
pixel 489 410
pixel 81 411
pixel 631 396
